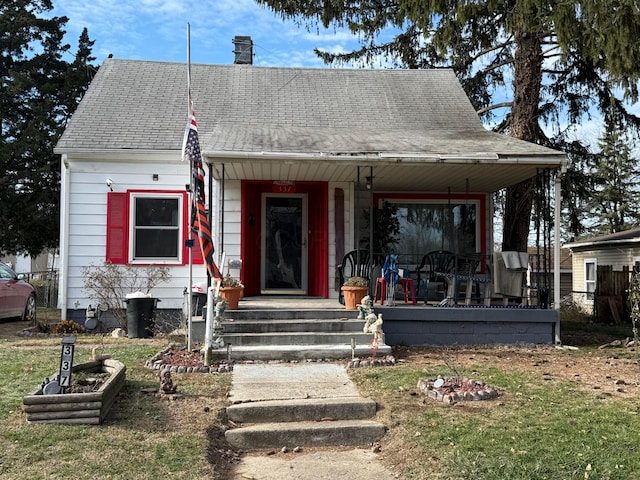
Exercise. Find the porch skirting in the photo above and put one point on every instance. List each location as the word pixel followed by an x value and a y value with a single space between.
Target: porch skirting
pixel 468 326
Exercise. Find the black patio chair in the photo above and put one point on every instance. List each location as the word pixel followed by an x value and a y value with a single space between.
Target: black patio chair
pixel 358 263
pixel 435 266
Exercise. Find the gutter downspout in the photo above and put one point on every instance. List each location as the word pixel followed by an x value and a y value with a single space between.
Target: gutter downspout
pixel 65 176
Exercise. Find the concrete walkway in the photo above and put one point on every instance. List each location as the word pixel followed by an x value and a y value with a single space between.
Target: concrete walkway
pixel 289 385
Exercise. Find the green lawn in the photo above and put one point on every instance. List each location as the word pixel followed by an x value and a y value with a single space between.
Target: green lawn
pixel 537 429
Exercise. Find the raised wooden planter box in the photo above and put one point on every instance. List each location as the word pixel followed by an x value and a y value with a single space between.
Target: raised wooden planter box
pixel 78 408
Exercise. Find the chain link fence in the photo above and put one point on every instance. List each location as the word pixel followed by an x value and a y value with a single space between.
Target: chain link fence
pixel 46 284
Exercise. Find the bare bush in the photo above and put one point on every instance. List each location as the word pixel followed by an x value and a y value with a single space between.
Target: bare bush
pixel 109 284
pixel 571 311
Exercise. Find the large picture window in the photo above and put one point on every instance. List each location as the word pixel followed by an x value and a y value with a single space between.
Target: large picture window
pixel 156 227
pixel 428 226
pixel 438 223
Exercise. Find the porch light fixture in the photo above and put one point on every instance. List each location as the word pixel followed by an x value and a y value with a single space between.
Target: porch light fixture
pixel 369 182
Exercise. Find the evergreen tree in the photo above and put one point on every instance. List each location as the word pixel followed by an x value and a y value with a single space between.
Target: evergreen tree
pixel 550 59
pixel 615 199
pixel 39 92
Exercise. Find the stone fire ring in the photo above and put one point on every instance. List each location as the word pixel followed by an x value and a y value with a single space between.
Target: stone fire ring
pixel 451 390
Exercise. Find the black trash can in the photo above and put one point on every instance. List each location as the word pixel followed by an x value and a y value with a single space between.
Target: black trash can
pixel 140 313
pixel 198 300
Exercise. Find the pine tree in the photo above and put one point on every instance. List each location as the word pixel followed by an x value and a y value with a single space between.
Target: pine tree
pixel 550 59
pixel 615 200
pixel 39 92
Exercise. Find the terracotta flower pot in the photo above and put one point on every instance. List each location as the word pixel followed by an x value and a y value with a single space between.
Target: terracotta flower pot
pixel 232 295
pixel 353 296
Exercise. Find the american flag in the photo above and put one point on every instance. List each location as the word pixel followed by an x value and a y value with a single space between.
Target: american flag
pixel 199 220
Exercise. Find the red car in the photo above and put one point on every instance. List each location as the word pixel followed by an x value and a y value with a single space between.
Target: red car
pixel 17 297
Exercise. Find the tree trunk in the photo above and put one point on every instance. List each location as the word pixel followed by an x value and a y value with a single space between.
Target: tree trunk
pixel 523 124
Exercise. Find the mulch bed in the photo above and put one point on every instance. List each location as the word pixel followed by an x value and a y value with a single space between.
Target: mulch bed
pixel 178 359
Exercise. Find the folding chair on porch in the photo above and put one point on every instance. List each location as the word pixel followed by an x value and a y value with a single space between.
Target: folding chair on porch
pixel 386 284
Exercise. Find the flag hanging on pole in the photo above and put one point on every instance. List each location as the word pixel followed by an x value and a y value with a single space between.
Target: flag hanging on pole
pixel 199 220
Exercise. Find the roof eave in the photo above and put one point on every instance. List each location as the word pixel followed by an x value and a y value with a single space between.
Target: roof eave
pixel 550 160
pixel 600 244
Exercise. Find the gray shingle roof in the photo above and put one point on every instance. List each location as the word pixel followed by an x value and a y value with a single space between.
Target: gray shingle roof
pixel 135 104
pixel 626 236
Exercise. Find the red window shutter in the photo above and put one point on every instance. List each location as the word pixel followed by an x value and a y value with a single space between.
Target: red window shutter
pixel 197 250
pixel 197 258
pixel 117 221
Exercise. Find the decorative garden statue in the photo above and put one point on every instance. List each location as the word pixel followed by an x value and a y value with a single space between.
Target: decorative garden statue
pixel 373 324
pixel 220 307
pixel 166 383
pixel 218 330
pixel 364 308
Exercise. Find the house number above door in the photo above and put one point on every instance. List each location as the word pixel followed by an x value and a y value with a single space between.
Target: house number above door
pixel 284 187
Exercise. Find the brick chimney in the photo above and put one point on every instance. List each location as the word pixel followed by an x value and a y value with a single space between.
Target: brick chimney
pixel 243 49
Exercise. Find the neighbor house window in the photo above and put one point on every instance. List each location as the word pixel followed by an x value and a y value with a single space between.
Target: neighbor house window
pixel 590 270
pixel 149 227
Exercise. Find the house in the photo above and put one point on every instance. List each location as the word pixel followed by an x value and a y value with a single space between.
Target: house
pixel 295 158
pixel 595 259
pixel 542 265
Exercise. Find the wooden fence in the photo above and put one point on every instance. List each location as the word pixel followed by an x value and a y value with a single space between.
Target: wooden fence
pixel 612 295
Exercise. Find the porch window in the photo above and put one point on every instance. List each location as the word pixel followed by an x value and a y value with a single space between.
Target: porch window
pixel 156 227
pixel 431 224
pixel 590 269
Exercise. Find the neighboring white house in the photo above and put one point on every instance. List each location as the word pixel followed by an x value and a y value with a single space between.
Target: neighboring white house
pixel 293 155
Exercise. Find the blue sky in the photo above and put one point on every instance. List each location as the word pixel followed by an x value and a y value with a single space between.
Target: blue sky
pixel 157 30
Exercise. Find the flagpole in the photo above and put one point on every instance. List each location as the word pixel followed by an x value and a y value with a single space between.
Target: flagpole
pixel 190 196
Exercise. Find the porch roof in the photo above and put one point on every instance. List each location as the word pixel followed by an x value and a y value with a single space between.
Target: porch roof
pixel 297 124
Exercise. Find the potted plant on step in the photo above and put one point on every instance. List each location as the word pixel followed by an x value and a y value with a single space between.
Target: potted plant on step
pixel 354 290
pixel 231 289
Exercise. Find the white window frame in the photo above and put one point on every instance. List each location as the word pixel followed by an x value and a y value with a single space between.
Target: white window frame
pixel 132 228
pixel 589 295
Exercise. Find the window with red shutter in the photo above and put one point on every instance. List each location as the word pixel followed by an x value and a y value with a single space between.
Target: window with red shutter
pixel 149 227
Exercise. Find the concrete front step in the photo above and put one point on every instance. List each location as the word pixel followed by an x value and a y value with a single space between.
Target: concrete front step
pixel 296 352
pixel 293 325
pixel 290 314
pixel 299 410
pixel 306 434
pixel 296 338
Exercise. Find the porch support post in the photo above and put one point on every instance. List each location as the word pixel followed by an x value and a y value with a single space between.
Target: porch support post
pixel 356 198
pixel 370 183
pixel 556 251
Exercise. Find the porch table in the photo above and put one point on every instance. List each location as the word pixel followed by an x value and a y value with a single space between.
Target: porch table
pixel 451 299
